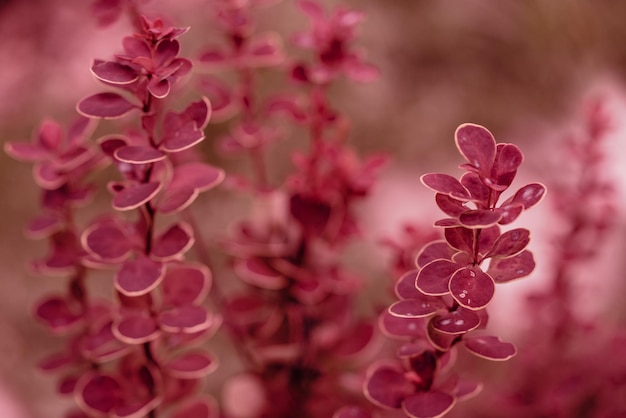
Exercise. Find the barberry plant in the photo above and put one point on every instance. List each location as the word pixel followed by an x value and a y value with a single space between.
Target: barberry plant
pixel 443 300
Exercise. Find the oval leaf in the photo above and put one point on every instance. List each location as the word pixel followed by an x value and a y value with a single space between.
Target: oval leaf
pixel 138 277
pixel 446 184
pixel 490 348
pixel 431 404
pixel 133 196
pixel 472 288
pixel 434 277
pixel 105 105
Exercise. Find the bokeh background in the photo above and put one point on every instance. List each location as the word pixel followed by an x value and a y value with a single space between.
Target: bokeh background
pixel 523 69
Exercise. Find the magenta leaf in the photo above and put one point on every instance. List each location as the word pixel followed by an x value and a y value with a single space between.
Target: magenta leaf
pixel 433 278
pixel 135 195
pixel 135 328
pixel 24 151
pixel 105 105
pixel 98 394
pixel 415 308
pixel 431 404
pixel 102 346
pixel 185 284
pixel 256 272
pixel 176 199
pixel 185 137
pixel 172 243
pixel 57 314
pixel 191 365
pixel 460 238
pixel 479 218
pixel 405 286
pixel 446 184
pixel 200 176
pixel 138 154
pixel 47 176
pixel 456 322
pixel 400 328
pixel 507 269
pixel 488 237
pixel 352 412
pixel 197 408
pixel 386 386
pixel 477 145
pixel 490 348
pixel 159 88
pixel 187 319
pixel 510 243
pixel 106 242
pixel 466 389
pixel 113 72
pixel 528 196
pixel 432 251
pixel 472 288
pixel 311 213
pixel 138 277
pixel 43 225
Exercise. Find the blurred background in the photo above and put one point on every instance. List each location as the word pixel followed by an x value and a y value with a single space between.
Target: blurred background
pixel 524 69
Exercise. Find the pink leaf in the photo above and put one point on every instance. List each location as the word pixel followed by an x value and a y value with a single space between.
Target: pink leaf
pixel 197 175
pixel 352 412
pixel 43 225
pixel 509 213
pixel 113 72
pixel 138 277
pixel 173 243
pixel 477 145
pixel 446 184
pixel 508 159
pixel 456 322
pixel 185 137
pixel 135 328
pixel 24 151
pixel 197 408
pixel 490 348
pixel 105 105
pixel 187 319
pixel 386 386
pixel 440 340
pixel 479 192
pixel 434 277
pixel 57 314
pixel 185 284
pixel 191 365
pixel 98 394
pixel 257 273
pixel 135 195
pixel 507 269
pixel 106 242
pixel 472 288
pixel 138 154
pixel 431 404
pixel 47 176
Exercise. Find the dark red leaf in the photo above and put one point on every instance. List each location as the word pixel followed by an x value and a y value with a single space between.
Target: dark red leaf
pixel 446 184
pixel 415 308
pixel 456 322
pixel 434 277
pixel 479 218
pixel 433 251
pixel 460 238
pixel 527 196
pixel 510 243
pixel 400 328
pixel 256 272
pixel 405 286
pixel 386 386
pixel 450 206
pixel 477 145
pixel 98 394
pixel 472 288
